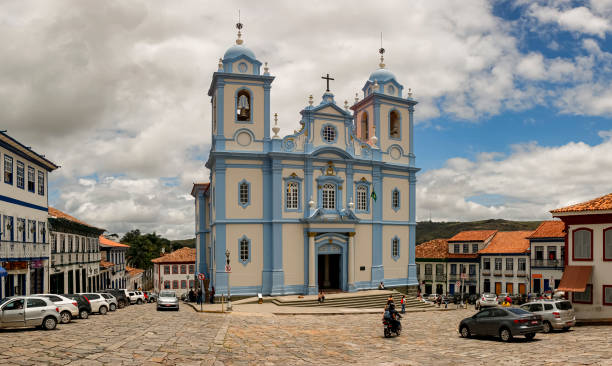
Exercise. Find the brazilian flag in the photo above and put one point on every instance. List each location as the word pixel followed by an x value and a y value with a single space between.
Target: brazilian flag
pixel 373 196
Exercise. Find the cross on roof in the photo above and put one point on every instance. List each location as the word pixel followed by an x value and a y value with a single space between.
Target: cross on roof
pixel 328 79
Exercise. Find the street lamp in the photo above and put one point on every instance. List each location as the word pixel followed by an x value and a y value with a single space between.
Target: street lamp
pixel 227 270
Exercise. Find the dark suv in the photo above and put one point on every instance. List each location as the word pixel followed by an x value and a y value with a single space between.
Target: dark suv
pixel 83 303
pixel 122 300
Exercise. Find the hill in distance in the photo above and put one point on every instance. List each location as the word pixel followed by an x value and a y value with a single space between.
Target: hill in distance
pixel 189 243
pixel 427 230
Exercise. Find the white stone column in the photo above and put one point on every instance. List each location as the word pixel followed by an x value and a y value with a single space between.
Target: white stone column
pixel 351 261
pixel 312 286
pixel 65 281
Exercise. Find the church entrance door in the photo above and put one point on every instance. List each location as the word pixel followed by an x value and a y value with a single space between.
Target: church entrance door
pixel 329 271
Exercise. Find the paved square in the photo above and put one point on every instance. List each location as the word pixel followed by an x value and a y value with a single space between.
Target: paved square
pixel 140 335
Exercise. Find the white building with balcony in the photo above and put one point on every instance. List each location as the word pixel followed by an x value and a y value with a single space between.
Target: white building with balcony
pixel 505 263
pixel 547 245
pixel 463 263
pixel 24 249
pixel 114 253
pixel 75 254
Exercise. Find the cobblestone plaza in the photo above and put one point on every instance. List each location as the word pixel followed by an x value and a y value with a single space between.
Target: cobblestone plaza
pixel 140 335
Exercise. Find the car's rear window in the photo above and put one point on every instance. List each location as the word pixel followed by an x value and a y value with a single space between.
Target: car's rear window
pixel 489 296
pixel 564 305
pixel 166 294
pixel 517 311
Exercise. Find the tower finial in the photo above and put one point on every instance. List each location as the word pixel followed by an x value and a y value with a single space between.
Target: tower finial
pixel 381 50
pixel 239 26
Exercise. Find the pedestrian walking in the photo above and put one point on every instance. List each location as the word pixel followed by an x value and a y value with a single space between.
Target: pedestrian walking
pixel 403 302
pixel 199 296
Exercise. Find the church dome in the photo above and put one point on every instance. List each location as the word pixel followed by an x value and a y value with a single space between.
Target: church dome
pixel 381 76
pixel 238 50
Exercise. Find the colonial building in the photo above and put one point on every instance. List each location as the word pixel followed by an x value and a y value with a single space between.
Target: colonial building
pixel 331 206
pixel 75 254
pixel 547 245
pixel 463 264
pixel 588 257
pixel 505 263
pixel 24 249
pixel 431 260
pixel 114 253
pixel 175 271
pixel 135 278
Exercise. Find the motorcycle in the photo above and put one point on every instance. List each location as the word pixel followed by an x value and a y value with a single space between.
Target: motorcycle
pixel 389 328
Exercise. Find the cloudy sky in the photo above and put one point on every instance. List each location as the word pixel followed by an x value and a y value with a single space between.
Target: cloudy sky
pixel 514 119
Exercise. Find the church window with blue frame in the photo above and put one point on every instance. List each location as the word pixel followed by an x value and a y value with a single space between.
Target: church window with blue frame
pixel 328 193
pixel 31 179
pixel 8 169
pixel 20 175
pixel 292 196
pixel 329 133
pixel 244 249
pixel 244 194
pixel 243 106
pixel 395 199
pixel 362 197
pixel 395 248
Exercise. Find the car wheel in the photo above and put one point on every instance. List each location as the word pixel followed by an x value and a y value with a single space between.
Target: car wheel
pixel 505 335
pixel 83 314
pixel 65 317
pixel 465 331
pixel 139 302
pixel 530 336
pixel 49 323
pixel 103 310
pixel 121 304
pixel 112 307
pixel 546 327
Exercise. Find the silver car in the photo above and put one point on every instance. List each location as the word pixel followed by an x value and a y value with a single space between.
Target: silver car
pixel 167 300
pixel 113 304
pixel 28 311
pixel 486 300
pixel 556 314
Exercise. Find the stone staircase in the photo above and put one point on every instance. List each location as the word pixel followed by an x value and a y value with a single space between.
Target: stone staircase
pixel 362 299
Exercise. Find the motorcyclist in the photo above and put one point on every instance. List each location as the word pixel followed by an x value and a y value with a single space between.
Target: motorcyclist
pixel 395 316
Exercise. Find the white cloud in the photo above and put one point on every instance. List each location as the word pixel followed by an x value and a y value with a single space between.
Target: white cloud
pixel 578 19
pixel 524 185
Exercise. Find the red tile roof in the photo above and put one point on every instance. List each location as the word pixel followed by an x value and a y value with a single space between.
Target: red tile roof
pixel 549 229
pixel 106 264
pixel 183 255
pixel 54 212
pixel 476 235
pixel 133 271
pixel 436 248
pixel 597 204
pixel 509 242
pixel 109 243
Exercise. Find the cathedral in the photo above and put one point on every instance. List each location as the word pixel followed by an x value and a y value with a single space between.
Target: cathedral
pixel 330 207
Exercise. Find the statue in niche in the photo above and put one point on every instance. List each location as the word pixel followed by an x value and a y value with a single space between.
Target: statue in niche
pixel 243 112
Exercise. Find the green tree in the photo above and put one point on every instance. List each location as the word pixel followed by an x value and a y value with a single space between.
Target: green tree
pixel 145 247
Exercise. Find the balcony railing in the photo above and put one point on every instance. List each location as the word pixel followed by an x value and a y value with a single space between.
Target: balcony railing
pixel 18 249
pixel 486 272
pixel 547 263
pixel 520 273
pixel 457 277
pixel 497 272
pixel 427 277
pixel 63 259
pixel 440 277
pixel 509 273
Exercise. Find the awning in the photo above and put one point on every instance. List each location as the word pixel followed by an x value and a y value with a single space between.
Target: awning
pixel 575 278
pixel 3 272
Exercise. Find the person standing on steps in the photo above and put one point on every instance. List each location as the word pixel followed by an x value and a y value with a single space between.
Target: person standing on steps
pixel 403 302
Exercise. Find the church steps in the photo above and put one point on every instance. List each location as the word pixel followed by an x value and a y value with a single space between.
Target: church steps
pixel 352 301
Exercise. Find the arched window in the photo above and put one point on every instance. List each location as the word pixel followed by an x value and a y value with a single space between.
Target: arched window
pixel 394 124
pixel 292 195
pixel 583 244
pixel 395 199
pixel 244 250
pixel 244 196
pixel 329 196
pixel 395 249
pixel 243 106
pixel 365 127
pixel 362 198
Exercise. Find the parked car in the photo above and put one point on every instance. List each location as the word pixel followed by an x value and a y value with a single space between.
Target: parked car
pixel 98 303
pixel 167 300
pixel 503 322
pixel 556 314
pixel 472 299
pixel 136 297
pixel 28 311
pixel 68 308
pixel 82 303
pixel 486 300
pixel 111 300
pixel 152 296
pixel 120 295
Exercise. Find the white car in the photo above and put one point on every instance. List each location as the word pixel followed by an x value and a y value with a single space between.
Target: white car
pixel 111 300
pixel 486 300
pixel 98 303
pixel 136 297
pixel 68 308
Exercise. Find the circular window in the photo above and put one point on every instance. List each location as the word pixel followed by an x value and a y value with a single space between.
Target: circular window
pixel 243 139
pixel 391 89
pixel 329 133
pixel 242 67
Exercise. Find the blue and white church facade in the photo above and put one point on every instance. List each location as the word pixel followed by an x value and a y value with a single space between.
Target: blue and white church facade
pixel 331 206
